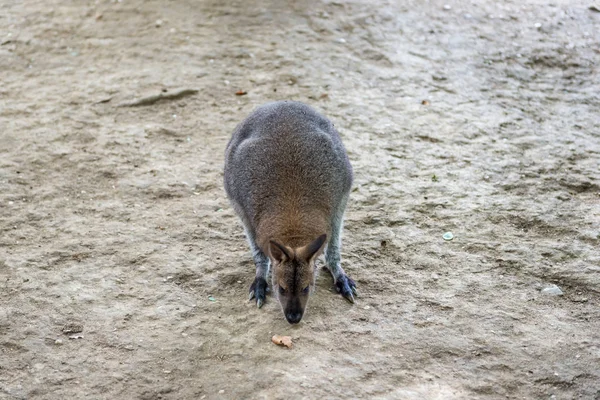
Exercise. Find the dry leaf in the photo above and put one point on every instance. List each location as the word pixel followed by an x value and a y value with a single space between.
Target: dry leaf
pixel 241 93
pixel 282 341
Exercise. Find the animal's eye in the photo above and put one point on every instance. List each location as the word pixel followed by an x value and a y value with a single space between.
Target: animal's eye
pixel 306 289
pixel 281 290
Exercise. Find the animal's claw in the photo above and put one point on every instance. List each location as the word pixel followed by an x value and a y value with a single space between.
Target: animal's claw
pixel 349 297
pixel 258 290
pixel 346 287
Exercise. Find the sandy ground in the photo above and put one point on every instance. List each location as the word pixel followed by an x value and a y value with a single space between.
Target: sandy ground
pixel 481 118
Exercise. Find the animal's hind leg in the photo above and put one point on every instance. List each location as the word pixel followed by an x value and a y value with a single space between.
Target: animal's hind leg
pixel 259 288
pixel 343 283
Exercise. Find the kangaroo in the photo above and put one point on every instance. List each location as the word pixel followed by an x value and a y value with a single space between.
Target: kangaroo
pixel 288 178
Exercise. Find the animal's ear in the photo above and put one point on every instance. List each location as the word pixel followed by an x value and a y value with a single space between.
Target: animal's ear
pixel 279 252
pixel 309 251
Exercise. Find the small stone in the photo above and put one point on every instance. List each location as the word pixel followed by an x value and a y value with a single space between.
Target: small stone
pixel 58 342
pixel 158 23
pixel 447 7
pixel 72 328
pixel 448 236
pixel 537 25
pixel 211 298
pixel 221 391
pixel 552 290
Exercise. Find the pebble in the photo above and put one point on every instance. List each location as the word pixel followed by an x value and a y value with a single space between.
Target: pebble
pixel 448 236
pixel 58 342
pixel 447 7
pixel 76 337
pixel 72 328
pixel 221 391
pixel 537 25
pixel 552 290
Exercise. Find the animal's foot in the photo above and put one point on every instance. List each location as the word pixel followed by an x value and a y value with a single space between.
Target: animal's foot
pixel 258 290
pixel 346 287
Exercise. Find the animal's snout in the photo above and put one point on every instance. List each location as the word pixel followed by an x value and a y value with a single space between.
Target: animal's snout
pixel 293 317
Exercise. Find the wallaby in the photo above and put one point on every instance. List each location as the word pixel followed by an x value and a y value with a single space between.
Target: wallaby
pixel 288 177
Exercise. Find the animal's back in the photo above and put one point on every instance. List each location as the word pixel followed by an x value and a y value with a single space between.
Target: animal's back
pixel 286 156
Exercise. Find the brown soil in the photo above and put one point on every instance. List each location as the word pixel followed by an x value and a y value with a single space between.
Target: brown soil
pixel 481 119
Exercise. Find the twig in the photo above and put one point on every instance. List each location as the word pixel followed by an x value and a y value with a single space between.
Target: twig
pixel 149 100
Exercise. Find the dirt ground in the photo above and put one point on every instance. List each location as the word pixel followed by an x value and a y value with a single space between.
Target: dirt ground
pixel 480 118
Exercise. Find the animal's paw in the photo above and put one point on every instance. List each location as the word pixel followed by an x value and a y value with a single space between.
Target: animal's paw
pixel 346 287
pixel 258 290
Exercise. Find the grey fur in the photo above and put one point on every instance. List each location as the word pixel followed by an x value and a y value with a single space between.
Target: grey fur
pixel 287 153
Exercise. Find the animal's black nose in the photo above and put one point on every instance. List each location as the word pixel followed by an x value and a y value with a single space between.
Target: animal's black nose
pixel 293 317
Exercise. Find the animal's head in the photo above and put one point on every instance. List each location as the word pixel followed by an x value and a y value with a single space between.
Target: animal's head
pixel 294 273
